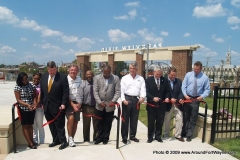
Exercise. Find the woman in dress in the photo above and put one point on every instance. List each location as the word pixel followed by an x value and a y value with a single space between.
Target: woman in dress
pixel 38 130
pixel 25 94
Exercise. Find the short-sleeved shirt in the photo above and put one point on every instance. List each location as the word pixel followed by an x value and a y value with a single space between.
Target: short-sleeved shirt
pixel 26 94
pixel 74 88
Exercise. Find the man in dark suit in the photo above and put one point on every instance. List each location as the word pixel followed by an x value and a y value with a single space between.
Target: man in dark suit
pixel 175 107
pixel 158 90
pixel 54 98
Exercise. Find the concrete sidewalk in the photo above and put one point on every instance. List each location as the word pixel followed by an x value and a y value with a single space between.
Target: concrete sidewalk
pixel 169 149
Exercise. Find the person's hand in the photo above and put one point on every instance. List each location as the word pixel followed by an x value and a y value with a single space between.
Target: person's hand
pixel 141 100
pixel 62 107
pixel 29 107
pixel 173 100
pixel 125 102
pixel 75 107
pixel 34 106
pixel 103 104
pixel 187 97
pixel 111 104
pixel 167 100
pixel 181 101
pixel 199 98
pixel 156 99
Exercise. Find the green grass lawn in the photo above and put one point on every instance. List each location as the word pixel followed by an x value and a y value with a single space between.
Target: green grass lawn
pixel 232 145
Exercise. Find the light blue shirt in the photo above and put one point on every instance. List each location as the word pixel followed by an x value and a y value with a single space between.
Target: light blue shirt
pixel 203 85
pixel 171 82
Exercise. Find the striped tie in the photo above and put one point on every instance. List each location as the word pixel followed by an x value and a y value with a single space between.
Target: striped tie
pixel 50 84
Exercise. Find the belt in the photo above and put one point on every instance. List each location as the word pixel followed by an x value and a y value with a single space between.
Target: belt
pixel 89 105
pixel 193 96
pixel 130 96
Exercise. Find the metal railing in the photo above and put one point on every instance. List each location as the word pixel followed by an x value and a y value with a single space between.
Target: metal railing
pixel 226 112
pixel 13 127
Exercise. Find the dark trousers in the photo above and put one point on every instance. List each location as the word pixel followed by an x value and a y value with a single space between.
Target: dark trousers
pixel 155 121
pixel 130 112
pixel 86 109
pixel 104 125
pixel 57 127
pixel 190 115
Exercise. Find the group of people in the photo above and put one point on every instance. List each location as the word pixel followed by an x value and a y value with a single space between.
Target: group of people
pixel 56 95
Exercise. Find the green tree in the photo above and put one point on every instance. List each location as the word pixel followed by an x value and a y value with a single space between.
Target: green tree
pixel 94 67
pixel 2 65
pixel 120 66
pixel 74 62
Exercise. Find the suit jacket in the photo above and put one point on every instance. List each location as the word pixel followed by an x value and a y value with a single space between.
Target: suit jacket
pixel 175 93
pixel 106 93
pixel 58 94
pixel 152 91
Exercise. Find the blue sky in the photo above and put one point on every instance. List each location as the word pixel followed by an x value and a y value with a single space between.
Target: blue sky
pixel 56 30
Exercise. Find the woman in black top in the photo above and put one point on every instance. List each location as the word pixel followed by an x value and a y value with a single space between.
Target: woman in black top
pixel 25 94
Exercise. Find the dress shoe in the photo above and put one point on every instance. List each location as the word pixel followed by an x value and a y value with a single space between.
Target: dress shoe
pixel 159 140
pixel 97 141
pixel 54 144
pixel 189 139
pixel 105 142
pixel 149 140
pixel 124 141
pixel 134 139
pixel 180 139
pixel 63 145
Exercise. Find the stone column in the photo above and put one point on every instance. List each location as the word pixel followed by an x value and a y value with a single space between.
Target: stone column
pixel 182 61
pixel 83 64
pixel 141 65
pixel 111 63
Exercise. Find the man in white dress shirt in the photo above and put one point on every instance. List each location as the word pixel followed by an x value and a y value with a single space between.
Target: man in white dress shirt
pixel 133 92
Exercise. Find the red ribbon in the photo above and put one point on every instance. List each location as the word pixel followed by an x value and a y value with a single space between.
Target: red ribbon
pixel 18 111
pixel 52 119
pixel 118 106
pixel 151 105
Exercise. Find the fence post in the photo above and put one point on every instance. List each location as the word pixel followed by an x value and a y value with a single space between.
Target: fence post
pixel 204 123
pixel 214 114
pixel 118 123
pixel 13 129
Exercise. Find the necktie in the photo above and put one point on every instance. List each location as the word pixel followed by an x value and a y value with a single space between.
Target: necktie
pixel 50 84
pixel 93 102
pixel 158 84
pixel 195 86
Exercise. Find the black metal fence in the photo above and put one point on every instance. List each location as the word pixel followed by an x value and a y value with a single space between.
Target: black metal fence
pixel 226 113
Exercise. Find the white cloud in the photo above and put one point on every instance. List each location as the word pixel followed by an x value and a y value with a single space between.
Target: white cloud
pixel 116 35
pixel 149 37
pixel 131 15
pixel 163 33
pixel 187 35
pixel 219 40
pixel 235 27
pixel 132 4
pixel 215 1
pixel 6 49
pixel 233 20
pixel 235 3
pixel 7 16
pixel 47 46
pixel 69 39
pixel 233 53
pixel 85 43
pixel 204 51
pixel 49 32
pixel 124 17
pixel 209 11
pixel 144 19
pixel 23 39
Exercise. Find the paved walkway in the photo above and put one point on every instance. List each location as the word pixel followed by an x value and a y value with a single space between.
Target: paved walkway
pixel 169 149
